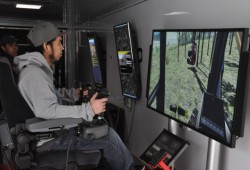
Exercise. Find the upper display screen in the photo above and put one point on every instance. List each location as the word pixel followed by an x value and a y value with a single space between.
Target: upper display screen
pixel 95 61
pixel 126 46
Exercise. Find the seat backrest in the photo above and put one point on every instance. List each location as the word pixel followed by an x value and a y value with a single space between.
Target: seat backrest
pixel 14 106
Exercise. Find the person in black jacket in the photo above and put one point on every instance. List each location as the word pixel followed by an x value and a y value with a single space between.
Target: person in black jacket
pixel 8 47
pixel 9 50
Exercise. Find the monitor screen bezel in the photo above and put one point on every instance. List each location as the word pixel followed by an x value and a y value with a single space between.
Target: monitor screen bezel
pixel 240 91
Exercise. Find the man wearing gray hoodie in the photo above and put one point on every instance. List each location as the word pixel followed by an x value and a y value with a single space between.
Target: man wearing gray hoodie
pixel 36 86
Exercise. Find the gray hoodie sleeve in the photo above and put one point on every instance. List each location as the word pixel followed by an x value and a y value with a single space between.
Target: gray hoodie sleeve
pixel 41 97
pixel 68 94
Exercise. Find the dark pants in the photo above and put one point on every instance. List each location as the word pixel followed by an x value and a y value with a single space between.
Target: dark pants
pixel 113 148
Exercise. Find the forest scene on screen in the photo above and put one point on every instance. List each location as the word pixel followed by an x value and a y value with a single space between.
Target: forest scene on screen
pixel 194 66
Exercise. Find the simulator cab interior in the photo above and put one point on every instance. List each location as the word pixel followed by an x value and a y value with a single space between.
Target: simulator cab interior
pixel 176 76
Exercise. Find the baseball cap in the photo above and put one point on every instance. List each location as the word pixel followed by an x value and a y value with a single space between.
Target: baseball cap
pixel 8 39
pixel 42 33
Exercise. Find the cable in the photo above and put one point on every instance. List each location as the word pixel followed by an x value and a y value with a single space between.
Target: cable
pixel 132 122
pixel 6 159
pixel 117 118
pixel 67 157
pixel 130 104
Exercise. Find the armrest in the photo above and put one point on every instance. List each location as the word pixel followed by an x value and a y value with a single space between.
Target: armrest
pixel 42 125
pixel 98 128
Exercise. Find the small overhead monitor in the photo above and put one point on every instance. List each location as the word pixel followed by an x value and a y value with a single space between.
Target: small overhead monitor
pixel 96 67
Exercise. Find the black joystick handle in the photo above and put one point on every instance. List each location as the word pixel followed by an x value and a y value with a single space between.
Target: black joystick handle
pixel 102 93
pixel 86 98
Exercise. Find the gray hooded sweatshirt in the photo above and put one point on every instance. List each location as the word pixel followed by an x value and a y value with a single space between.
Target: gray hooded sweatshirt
pixel 37 88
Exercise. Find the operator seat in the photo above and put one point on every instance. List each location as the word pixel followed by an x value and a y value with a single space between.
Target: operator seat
pixel 26 130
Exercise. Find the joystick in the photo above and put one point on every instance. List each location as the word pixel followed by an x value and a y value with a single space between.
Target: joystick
pixel 92 89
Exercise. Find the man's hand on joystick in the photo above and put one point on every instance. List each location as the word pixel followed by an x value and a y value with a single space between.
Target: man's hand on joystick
pixel 98 105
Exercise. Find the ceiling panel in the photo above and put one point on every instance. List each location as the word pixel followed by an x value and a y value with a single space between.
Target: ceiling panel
pixel 89 10
pixel 86 10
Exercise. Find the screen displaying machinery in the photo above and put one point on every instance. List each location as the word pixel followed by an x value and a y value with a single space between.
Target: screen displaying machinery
pixel 197 77
pixel 127 53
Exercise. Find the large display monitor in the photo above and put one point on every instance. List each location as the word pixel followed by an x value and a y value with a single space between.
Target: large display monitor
pixel 197 77
pixel 128 60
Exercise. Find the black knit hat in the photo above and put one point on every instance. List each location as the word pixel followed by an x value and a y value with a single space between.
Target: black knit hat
pixel 8 39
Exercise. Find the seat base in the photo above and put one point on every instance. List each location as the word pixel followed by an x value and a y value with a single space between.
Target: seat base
pixel 57 159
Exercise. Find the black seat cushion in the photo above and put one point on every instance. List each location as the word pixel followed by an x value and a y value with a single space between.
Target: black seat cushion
pixel 14 106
